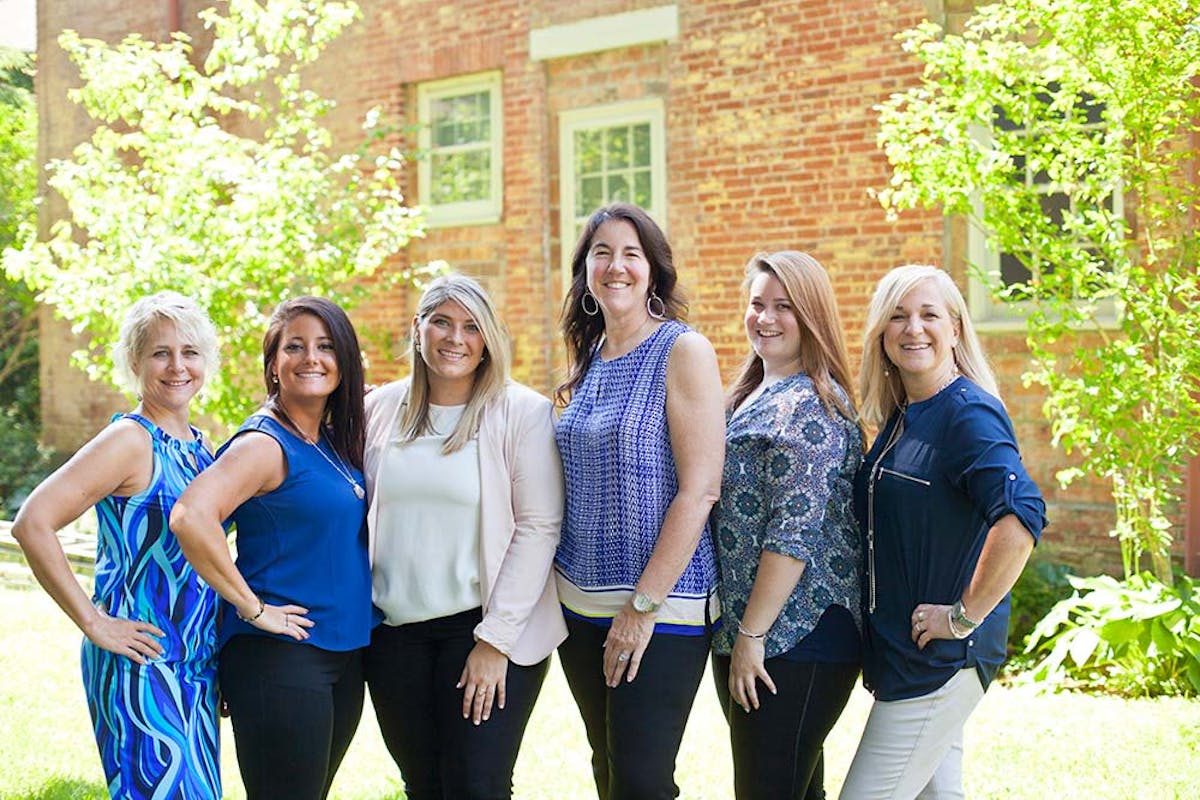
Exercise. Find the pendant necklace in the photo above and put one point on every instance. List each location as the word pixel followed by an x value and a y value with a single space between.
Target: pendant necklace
pixel 341 468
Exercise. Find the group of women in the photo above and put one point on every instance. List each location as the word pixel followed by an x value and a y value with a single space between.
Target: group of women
pixel 438 539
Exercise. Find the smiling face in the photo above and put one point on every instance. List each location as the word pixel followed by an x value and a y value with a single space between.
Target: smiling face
pixel 618 274
pixel 772 326
pixel 169 369
pixel 920 336
pixel 305 362
pixel 452 347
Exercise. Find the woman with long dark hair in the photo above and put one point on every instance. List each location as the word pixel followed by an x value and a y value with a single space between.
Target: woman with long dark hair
pixel 297 609
pixel 642 442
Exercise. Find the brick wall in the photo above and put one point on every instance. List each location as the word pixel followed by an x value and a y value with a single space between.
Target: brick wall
pixel 770 145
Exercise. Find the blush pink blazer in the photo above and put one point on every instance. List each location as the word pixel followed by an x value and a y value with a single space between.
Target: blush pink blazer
pixel 521 499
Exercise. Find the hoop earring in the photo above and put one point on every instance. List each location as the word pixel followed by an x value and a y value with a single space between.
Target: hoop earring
pixel 595 309
pixel 662 307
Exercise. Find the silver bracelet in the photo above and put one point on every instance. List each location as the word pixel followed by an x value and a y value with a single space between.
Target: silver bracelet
pixel 955 631
pixel 743 632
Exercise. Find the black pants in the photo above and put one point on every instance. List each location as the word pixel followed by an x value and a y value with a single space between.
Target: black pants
pixel 777 749
pixel 411 671
pixel 294 709
pixel 635 729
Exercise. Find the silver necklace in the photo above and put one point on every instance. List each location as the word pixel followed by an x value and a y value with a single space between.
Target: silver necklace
pixel 341 468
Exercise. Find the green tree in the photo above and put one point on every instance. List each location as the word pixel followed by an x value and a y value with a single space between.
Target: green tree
pixel 1035 123
pixel 18 165
pixel 23 460
pixel 217 180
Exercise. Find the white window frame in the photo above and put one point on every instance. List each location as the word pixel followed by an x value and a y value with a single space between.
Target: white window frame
pixel 631 113
pixel 988 313
pixel 472 212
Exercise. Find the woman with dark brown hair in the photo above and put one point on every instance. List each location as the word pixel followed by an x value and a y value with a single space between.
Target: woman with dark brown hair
pixel 297 608
pixel 642 442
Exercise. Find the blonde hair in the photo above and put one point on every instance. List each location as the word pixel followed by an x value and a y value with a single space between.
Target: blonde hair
pixel 190 321
pixel 879 385
pixel 490 376
pixel 822 347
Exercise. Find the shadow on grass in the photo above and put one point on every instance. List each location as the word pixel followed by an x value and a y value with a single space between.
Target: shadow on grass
pixel 66 789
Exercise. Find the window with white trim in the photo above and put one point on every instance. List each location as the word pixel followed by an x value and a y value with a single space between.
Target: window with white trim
pixel 609 154
pixel 1009 269
pixel 459 177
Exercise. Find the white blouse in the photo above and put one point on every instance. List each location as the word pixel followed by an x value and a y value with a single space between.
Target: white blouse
pixel 427 539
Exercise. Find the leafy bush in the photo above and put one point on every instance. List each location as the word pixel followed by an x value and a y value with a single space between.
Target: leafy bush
pixel 24 464
pixel 1043 584
pixel 1137 637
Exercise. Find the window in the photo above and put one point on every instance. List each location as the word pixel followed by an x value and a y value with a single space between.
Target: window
pixel 461 137
pixel 610 154
pixel 1011 268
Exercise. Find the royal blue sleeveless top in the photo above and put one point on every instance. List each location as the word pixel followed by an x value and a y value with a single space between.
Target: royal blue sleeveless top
pixel 306 543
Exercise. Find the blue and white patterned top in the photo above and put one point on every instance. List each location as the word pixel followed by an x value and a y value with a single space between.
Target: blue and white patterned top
pixel 620 478
pixel 788 487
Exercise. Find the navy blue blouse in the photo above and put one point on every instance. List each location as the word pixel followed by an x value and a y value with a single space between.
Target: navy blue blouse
pixel 305 542
pixel 950 474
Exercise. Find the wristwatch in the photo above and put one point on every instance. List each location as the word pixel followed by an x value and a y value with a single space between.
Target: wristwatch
pixel 959 615
pixel 644 603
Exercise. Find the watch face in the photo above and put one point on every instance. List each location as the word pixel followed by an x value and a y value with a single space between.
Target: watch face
pixel 643 604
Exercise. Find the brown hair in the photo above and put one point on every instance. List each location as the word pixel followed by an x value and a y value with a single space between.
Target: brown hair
pixel 581 331
pixel 822 346
pixel 344 419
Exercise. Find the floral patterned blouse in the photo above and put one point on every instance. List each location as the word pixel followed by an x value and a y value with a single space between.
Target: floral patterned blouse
pixel 788 487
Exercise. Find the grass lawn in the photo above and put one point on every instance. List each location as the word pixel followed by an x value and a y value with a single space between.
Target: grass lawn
pixel 1020 744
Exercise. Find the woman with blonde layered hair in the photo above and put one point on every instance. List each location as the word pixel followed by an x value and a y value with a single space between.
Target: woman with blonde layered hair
pixel 489 379
pixel 787 544
pixel 149 652
pixel 879 381
pixel 949 516
pixel 466 499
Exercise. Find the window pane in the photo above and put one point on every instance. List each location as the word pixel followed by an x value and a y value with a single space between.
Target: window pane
pixel 618 189
pixel 1053 206
pixel 587 152
pixel 617 149
pixel 641 145
pixel 641 188
pixel 591 194
pixel 1013 270
pixel 461 177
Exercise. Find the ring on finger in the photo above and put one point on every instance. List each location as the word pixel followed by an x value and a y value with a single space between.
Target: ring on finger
pixel 622 656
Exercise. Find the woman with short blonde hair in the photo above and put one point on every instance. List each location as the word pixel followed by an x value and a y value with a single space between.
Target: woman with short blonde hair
pixel 149 656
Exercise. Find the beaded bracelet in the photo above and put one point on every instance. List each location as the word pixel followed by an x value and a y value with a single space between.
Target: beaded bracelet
pixel 261 608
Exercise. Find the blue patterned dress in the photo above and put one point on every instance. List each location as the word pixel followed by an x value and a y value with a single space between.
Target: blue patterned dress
pixel 156 725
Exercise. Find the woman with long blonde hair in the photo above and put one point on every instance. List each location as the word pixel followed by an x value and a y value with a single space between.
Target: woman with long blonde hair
pixel 465 489
pixel 949 515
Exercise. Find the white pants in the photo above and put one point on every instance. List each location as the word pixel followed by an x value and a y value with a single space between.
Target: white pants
pixel 913 748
